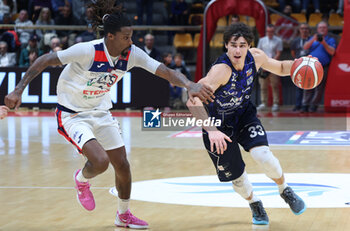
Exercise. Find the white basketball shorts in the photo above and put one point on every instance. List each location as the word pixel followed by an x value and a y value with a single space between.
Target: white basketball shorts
pixel 78 128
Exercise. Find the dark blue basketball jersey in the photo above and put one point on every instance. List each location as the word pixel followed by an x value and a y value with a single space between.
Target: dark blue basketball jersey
pixel 239 121
pixel 232 99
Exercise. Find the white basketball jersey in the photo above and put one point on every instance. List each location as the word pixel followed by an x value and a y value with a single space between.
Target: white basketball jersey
pixel 85 82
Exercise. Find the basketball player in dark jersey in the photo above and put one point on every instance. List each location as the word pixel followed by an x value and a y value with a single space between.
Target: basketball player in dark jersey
pixel 231 77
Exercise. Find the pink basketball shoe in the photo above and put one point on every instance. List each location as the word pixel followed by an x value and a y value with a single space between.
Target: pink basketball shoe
pixel 128 220
pixel 84 195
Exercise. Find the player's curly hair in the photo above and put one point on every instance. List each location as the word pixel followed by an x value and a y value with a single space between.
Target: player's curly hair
pixel 108 15
pixel 238 30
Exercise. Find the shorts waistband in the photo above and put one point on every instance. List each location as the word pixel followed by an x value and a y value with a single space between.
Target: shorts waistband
pixel 63 108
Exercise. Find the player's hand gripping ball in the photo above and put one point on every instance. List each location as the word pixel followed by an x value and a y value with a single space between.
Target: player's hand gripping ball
pixel 306 72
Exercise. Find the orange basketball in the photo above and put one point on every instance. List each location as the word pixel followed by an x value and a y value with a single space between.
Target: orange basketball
pixel 306 73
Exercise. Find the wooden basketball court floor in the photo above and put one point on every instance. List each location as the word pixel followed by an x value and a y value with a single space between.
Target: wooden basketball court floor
pixel 37 191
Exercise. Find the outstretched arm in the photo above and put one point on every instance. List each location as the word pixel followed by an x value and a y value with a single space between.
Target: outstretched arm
pixel 13 100
pixel 281 68
pixel 174 77
pixel 217 76
pixel 203 91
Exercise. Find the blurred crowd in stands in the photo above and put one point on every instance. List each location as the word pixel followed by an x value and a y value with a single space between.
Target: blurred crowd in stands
pixel 293 24
pixel 23 46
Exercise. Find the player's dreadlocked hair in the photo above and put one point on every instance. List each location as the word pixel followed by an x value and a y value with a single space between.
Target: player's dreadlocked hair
pixel 238 30
pixel 109 15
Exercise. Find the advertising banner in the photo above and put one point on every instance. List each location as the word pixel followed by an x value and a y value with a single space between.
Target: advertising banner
pixel 337 93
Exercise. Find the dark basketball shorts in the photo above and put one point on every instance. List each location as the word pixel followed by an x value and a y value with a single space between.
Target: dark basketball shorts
pixel 249 134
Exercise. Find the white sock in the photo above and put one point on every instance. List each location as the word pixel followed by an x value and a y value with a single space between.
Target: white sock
pixel 281 187
pixel 254 199
pixel 80 177
pixel 123 205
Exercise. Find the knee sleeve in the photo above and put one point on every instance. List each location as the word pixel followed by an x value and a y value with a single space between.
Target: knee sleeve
pixel 242 186
pixel 270 164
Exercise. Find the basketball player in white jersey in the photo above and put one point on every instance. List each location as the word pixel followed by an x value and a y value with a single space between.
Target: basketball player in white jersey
pixel 83 102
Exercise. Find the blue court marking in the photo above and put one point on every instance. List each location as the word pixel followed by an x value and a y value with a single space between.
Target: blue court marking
pixel 310 189
pixel 307 138
pixel 254 184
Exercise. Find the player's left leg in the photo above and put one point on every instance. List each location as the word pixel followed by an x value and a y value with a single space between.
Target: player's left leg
pixel 231 167
pixel 243 187
pixel 272 168
pixel 108 132
pixel 252 137
pixel 121 167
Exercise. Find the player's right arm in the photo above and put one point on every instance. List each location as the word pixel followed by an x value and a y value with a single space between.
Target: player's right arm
pixel 218 75
pixel 13 100
pixel 81 53
pixel 176 78
pixel 281 68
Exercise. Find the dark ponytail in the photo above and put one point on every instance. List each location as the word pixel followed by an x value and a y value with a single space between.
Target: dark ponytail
pixel 109 16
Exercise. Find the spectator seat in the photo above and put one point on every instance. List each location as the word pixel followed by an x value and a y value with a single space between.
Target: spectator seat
pixel 183 40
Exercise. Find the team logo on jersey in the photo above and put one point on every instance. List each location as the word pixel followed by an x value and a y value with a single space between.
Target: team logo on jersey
pixel 249 72
pixel 103 81
pixel 121 65
pixel 100 65
pixel 151 118
pixel 250 80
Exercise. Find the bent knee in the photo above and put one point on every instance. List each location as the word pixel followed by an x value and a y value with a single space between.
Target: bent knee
pixel 264 157
pixel 261 154
pixel 101 164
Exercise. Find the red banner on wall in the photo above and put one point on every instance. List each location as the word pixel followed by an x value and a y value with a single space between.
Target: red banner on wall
pixel 337 94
